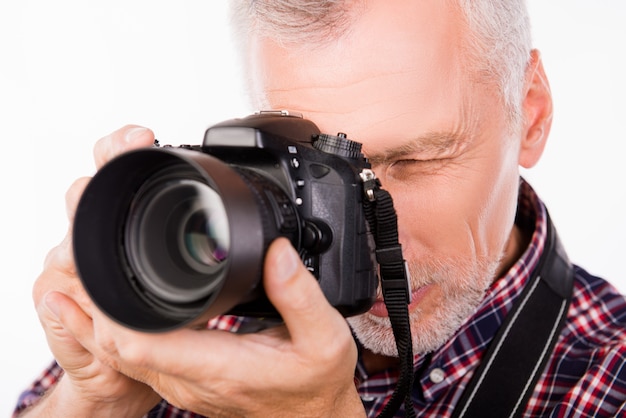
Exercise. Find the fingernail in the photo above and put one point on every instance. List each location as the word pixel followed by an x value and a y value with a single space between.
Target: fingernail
pixel 134 133
pixel 287 261
pixel 51 305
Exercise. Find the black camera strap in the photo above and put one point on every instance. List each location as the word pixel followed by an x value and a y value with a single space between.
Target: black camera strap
pixel 516 357
pixel 394 277
pixel 520 350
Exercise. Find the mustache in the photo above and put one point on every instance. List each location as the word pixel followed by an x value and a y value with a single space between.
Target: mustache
pixel 434 270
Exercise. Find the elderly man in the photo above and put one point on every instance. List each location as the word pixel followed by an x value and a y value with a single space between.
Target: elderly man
pixel 449 100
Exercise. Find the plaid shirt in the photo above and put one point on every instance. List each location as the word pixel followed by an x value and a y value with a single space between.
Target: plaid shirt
pixel 585 376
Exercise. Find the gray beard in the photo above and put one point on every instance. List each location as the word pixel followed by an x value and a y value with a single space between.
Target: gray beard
pixel 463 284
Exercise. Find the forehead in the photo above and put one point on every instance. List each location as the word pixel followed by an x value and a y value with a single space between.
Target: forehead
pixel 398 66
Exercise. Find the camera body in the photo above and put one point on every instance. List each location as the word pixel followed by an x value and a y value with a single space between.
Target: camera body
pixel 173 236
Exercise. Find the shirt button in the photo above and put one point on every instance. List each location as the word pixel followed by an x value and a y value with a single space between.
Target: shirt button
pixel 437 375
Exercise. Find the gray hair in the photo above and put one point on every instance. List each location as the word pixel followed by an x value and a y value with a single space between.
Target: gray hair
pixel 498 45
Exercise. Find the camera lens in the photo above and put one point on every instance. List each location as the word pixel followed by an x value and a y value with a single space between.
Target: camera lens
pixel 165 238
pixel 177 237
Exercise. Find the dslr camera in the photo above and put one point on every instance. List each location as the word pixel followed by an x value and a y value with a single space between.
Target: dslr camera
pixel 169 236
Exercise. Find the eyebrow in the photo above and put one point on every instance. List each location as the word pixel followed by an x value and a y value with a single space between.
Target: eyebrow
pixel 431 143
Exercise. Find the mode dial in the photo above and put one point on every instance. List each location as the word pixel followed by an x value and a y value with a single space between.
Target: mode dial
pixel 338 145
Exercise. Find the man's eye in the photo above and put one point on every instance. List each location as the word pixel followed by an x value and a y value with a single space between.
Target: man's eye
pixel 403 169
pixel 411 162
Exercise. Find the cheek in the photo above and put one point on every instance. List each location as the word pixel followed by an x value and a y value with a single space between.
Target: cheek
pixel 496 211
pixel 468 211
pixel 432 217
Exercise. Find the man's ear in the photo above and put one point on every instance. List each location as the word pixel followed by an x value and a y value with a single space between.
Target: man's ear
pixel 537 112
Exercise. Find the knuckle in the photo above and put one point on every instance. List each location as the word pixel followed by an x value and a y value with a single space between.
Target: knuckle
pixel 106 342
pixel 337 348
pixel 117 142
pixel 336 351
pixel 132 354
pixel 59 273
pixel 104 149
pixel 118 347
pixel 60 259
pixel 73 194
pixel 39 290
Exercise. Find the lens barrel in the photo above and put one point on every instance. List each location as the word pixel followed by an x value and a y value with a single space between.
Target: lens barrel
pixel 168 237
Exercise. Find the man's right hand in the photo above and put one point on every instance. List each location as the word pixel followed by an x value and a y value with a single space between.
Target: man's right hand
pixel 88 387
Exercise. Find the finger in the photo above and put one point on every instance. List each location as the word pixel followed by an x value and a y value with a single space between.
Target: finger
pixel 53 310
pixel 125 139
pixel 61 257
pixel 145 356
pixel 72 196
pixel 75 332
pixel 297 296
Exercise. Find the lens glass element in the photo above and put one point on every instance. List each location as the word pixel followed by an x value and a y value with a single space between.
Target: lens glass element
pixel 205 232
pixel 178 239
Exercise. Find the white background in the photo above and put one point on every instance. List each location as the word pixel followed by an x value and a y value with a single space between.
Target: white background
pixel 72 71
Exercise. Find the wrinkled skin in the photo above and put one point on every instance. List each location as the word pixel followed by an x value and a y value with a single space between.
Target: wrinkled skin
pixel 439 142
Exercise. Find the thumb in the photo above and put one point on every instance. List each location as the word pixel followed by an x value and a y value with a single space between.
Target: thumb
pixel 296 294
